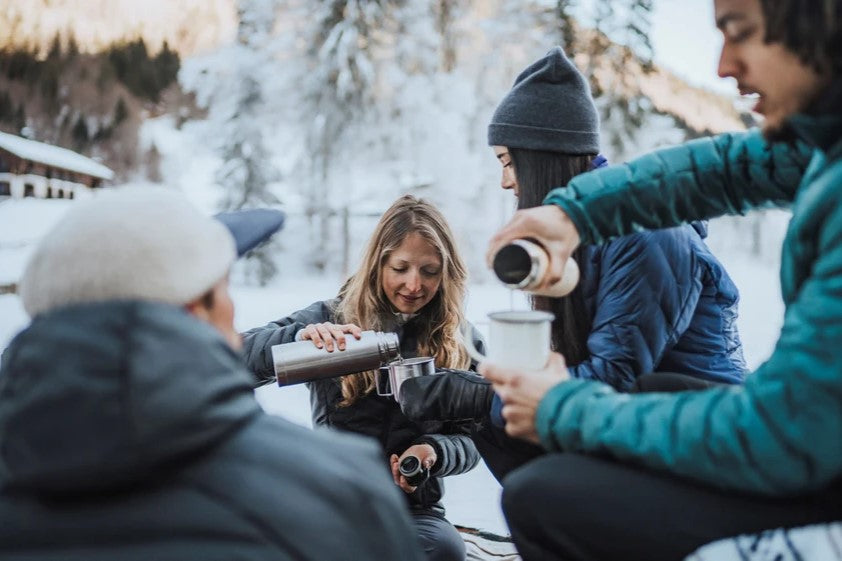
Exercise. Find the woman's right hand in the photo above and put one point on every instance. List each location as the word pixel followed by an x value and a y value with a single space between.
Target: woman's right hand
pixel 328 334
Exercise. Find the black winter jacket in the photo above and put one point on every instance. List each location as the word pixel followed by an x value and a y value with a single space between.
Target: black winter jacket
pixel 371 415
pixel 129 431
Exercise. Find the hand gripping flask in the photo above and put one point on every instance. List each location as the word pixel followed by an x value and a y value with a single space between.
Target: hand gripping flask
pixel 523 263
pixel 302 361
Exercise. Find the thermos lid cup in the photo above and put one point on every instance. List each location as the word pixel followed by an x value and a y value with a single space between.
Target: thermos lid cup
pixel 514 265
pixel 410 466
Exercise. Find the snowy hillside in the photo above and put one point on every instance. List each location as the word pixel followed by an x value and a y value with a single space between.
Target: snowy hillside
pixel 187 25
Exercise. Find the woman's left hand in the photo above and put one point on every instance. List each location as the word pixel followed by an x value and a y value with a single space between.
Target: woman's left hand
pixel 425 453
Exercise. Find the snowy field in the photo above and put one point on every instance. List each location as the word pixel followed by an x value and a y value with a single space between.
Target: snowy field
pixel 471 499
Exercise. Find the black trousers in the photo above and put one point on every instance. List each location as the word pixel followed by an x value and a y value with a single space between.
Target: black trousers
pixel 669 382
pixel 440 540
pixel 576 507
pixel 502 453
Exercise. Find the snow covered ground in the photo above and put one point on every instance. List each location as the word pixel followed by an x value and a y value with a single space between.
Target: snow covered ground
pixel 472 499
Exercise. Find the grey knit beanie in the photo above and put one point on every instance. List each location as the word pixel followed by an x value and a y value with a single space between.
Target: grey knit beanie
pixel 549 108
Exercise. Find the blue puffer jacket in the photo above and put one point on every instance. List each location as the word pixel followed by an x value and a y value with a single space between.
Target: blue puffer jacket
pixel 659 301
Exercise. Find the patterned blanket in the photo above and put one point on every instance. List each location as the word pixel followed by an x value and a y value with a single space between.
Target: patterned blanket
pixel 821 542
pixel 482 545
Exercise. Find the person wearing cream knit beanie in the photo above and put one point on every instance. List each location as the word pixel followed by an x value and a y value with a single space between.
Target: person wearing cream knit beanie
pixel 129 427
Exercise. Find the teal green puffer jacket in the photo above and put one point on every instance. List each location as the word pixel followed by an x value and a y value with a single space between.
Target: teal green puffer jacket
pixel 780 433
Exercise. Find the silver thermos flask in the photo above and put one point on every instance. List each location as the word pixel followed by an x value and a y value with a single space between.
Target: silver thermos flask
pixel 302 361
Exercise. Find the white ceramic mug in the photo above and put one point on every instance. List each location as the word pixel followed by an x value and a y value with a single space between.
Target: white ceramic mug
pixel 516 339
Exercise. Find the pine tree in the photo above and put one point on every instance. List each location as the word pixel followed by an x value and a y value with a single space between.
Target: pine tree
pixel 247 169
pixel 167 64
pixel 152 163
pixel 80 133
pixel 445 14
pixel 566 29
pixel 618 50
pixel 143 75
pixel 72 46
pixel 56 52
pixel 340 92
pixel 20 118
pixel 7 109
pixel 121 111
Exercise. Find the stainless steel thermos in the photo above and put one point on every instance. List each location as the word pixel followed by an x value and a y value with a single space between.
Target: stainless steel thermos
pixel 302 361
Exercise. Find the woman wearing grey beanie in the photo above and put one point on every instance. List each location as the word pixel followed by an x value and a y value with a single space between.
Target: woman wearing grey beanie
pixel 654 311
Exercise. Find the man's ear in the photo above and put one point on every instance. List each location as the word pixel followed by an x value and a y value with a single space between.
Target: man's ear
pixel 199 308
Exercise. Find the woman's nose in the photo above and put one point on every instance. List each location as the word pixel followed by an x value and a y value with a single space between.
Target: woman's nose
pixel 507 181
pixel 413 282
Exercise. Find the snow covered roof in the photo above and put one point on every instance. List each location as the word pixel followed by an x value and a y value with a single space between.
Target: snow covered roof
pixel 53 156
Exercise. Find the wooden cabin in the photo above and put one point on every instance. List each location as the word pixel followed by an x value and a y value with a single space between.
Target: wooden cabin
pixel 34 169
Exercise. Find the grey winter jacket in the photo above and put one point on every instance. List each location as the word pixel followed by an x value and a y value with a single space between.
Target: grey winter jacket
pixel 129 431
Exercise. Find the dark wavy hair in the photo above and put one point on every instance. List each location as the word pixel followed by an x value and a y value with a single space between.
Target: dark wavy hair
pixel 537 173
pixel 812 29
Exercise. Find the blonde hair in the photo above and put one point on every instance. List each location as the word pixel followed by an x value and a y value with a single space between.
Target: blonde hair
pixel 363 302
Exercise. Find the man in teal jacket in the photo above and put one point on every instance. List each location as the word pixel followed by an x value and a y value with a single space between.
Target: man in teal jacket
pixel 655 476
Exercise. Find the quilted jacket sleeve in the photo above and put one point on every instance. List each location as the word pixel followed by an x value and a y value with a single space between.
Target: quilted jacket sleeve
pixel 704 178
pixel 258 342
pixel 649 286
pixel 456 453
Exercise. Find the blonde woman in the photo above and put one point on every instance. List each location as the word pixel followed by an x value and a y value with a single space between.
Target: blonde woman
pixel 411 282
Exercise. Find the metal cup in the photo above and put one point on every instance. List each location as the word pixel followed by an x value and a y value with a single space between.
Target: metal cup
pixel 399 371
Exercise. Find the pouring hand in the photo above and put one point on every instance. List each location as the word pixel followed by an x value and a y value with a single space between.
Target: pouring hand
pixel 548 225
pixel 522 390
pixel 329 334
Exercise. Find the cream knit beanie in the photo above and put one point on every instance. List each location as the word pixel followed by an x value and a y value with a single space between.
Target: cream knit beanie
pixel 131 243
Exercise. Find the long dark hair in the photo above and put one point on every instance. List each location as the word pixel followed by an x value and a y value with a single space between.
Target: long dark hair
pixel 537 173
